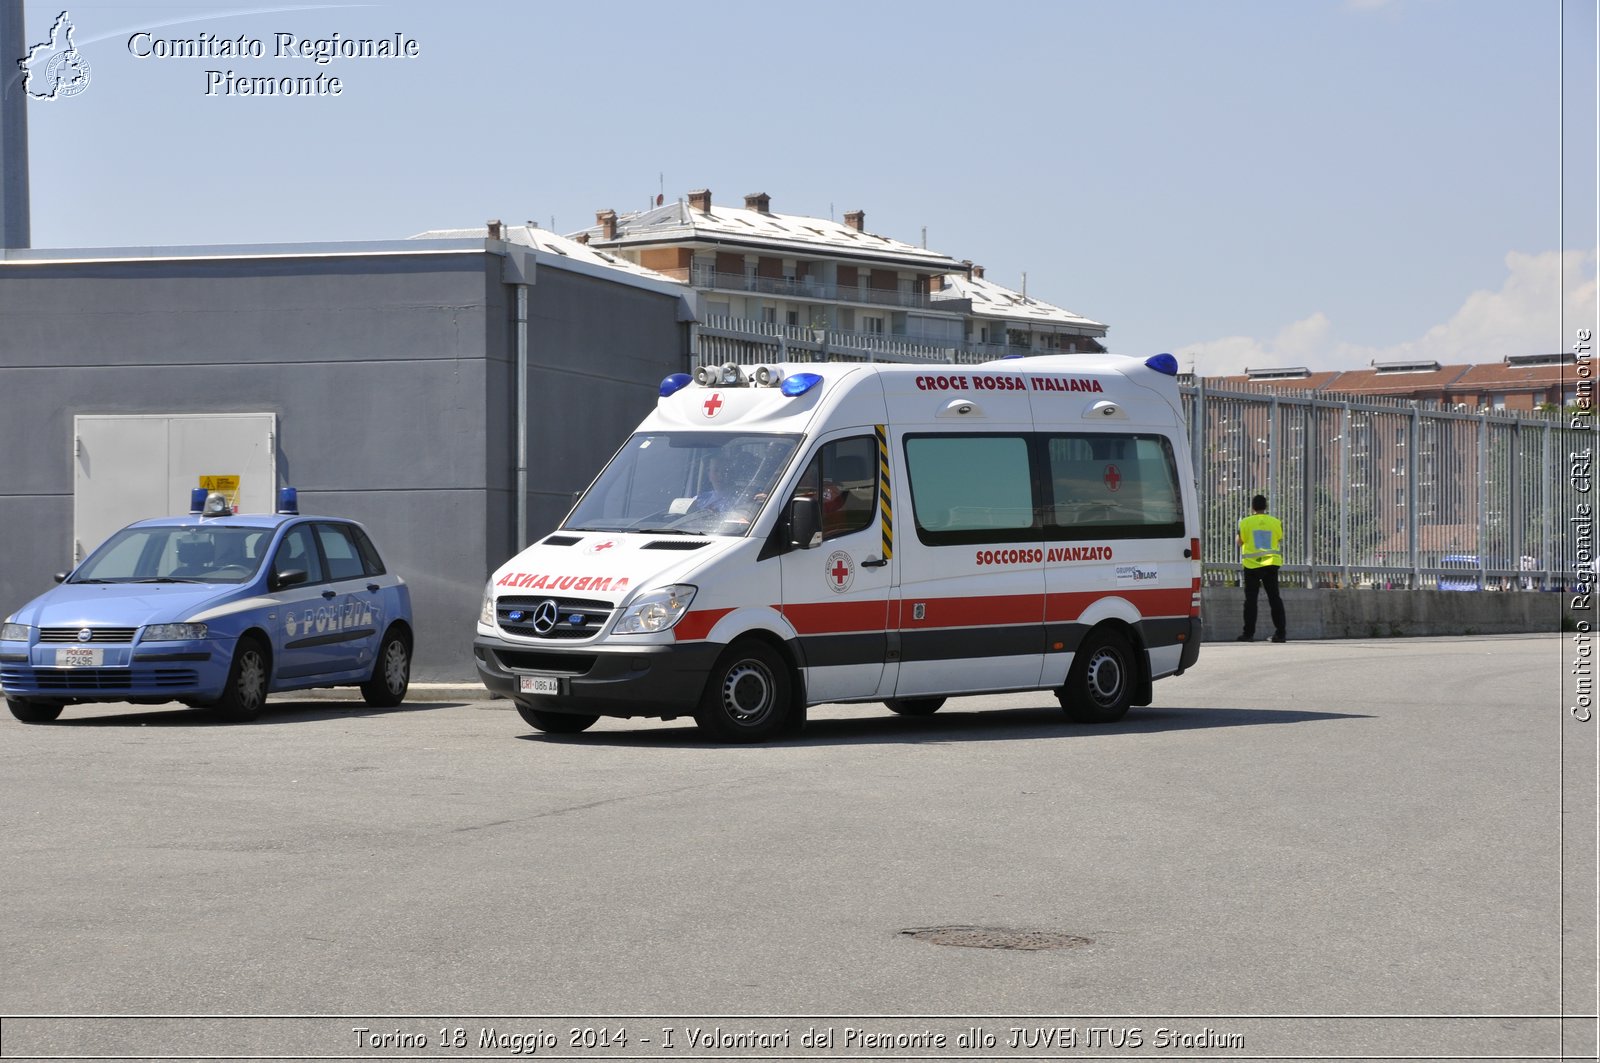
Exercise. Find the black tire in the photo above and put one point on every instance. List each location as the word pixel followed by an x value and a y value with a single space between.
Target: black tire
pixel 391 672
pixel 749 697
pixel 34 711
pixel 556 723
pixel 1099 688
pixel 915 706
pixel 246 693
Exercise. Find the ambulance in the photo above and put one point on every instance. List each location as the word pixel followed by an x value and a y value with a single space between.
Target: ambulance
pixel 773 537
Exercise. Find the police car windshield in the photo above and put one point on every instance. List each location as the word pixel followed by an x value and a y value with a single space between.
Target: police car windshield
pixel 193 554
pixel 685 483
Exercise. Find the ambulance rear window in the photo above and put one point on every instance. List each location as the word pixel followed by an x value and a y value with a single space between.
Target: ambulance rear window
pixel 1111 486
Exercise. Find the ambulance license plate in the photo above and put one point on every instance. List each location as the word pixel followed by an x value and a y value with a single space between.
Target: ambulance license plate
pixel 78 657
pixel 539 684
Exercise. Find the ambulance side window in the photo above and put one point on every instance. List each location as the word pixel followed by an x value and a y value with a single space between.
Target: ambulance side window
pixel 971 488
pixel 844 475
pixel 1112 486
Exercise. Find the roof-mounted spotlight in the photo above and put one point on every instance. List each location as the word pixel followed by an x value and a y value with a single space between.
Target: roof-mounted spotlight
pixel 732 376
pixel 217 505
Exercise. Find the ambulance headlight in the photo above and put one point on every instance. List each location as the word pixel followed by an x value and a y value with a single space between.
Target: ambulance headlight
pixel 486 611
pixel 15 633
pixel 656 611
pixel 173 632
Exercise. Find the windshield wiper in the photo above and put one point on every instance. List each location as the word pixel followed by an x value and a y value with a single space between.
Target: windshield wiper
pixel 167 579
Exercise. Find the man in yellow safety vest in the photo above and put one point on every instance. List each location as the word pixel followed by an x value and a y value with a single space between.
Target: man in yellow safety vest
pixel 1261 554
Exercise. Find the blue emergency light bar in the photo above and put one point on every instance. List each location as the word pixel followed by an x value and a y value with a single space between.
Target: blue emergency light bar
pixel 675 383
pixel 799 384
pixel 1163 363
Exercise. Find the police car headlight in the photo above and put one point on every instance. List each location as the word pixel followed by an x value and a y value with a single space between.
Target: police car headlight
pixel 15 633
pixel 656 611
pixel 173 632
pixel 486 611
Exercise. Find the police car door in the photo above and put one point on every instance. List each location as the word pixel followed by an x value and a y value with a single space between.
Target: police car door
pixel 357 616
pixel 301 643
pixel 837 595
pixel 971 608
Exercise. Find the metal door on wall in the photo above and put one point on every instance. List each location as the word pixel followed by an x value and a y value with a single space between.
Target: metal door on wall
pixel 128 467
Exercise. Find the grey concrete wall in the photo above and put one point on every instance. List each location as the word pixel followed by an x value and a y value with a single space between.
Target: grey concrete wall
pixel 393 378
pixel 1362 614
pixel 597 357
pixel 374 366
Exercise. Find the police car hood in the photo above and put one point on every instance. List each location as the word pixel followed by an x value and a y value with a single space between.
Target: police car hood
pixel 606 566
pixel 121 604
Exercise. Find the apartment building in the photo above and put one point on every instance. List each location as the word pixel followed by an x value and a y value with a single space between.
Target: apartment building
pixel 771 285
pixel 1518 382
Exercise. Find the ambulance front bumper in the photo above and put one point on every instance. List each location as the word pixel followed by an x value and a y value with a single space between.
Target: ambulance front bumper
pixel 658 680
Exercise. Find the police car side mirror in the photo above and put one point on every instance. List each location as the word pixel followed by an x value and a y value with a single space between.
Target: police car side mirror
pixel 805 523
pixel 287 578
pixel 61 577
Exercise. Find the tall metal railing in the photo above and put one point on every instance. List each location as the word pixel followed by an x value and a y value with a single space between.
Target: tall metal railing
pixel 1373 492
pixel 1393 494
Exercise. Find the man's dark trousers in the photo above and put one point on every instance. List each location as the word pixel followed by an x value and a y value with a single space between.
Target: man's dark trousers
pixel 1255 579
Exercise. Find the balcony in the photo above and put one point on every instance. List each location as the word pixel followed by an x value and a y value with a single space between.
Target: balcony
pixel 736 339
pixel 804 288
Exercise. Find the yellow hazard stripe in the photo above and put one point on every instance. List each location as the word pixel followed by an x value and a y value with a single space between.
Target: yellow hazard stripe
pixel 883 492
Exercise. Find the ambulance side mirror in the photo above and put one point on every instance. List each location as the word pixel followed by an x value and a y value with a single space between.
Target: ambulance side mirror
pixel 805 523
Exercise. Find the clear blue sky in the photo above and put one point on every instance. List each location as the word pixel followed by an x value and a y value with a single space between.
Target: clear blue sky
pixel 1244 182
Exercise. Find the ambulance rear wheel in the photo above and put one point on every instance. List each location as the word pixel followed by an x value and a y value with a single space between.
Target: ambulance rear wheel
pixel 555 723
pixel 915 706
pixel 34 711
pixel 1100 686
pixel 749 697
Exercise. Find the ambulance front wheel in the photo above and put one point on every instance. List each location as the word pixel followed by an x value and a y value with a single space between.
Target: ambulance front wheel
pixel 749 697
pixel 1100 686
pixel 556 723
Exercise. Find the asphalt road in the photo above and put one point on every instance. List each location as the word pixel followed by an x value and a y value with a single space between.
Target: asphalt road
pixel 1332 846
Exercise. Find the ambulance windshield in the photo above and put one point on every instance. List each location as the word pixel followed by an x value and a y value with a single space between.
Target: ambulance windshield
pixel 686 483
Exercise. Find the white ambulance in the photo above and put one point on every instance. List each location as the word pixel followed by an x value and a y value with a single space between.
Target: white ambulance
pixel 774 537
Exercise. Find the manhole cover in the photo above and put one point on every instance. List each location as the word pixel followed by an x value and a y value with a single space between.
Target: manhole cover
pixel 997 937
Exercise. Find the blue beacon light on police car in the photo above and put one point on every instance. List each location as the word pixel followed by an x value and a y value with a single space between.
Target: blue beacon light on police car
pixel 289 501
pixel 1163 363
pixel 197 501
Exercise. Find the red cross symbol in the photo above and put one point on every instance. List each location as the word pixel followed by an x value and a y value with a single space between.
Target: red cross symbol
pixel 839 571
pixel 713 404
pixel 1113 477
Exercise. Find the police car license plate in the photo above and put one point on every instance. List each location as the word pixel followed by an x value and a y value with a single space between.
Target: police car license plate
pixel 539 684
pixel 78 657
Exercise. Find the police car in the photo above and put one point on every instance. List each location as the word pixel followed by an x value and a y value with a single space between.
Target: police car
pixel 213 609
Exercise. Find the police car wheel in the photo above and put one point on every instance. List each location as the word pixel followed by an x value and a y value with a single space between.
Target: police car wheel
pixel 556 723
pixel 748 698
pixel 34 711
pixel 1100 686
pixel 915 706
pixel 391 672
pixel 246 692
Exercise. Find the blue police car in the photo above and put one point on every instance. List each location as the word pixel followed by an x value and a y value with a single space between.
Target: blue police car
pixel 213 609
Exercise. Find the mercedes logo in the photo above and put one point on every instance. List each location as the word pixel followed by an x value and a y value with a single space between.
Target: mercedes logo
pixel 545 616
pixel 84 634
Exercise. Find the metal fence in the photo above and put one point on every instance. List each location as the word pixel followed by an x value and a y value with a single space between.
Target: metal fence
pixel 1373 492
pixel 1394 494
